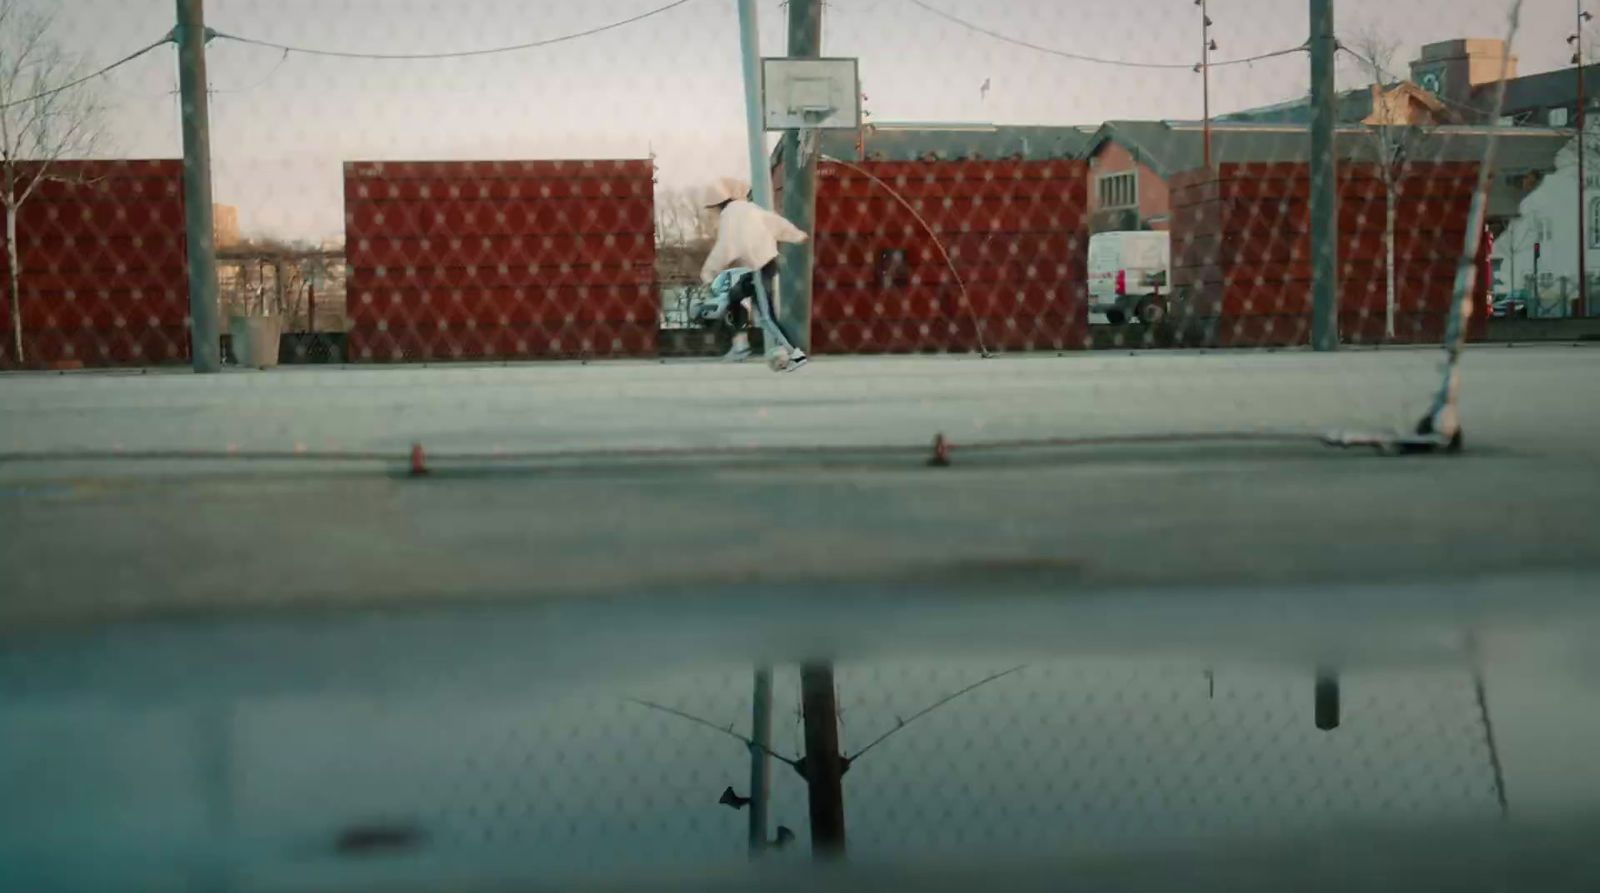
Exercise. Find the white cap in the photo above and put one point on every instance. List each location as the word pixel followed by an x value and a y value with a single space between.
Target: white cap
pixel 726 189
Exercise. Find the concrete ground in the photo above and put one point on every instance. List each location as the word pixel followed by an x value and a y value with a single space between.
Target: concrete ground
pixel 608 512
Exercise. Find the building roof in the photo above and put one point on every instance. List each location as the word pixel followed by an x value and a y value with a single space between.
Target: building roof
pixel 1169 148
pixel 1350 107
pixel 1550 89
pixel 953 142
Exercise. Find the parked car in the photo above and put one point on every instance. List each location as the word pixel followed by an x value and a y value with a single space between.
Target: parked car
pixel 1509 306
pixel 1129 274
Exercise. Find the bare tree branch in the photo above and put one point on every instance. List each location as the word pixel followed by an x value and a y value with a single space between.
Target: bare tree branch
pixel 46 115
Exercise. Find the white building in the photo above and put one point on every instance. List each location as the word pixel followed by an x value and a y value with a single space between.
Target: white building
pixel 1550 221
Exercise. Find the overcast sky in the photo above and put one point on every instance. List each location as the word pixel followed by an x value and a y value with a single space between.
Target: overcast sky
pixel 671 84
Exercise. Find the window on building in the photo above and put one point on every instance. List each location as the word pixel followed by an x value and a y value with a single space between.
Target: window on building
pixel 1119 191
pixel 1594 223
pixel 1558 117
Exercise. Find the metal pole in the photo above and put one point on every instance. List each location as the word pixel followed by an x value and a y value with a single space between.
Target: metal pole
pixel 761 193
pixel 800 185
pixel 760 766
pixel 1205 74
pixel 824 765
pixel 204 335
pixel 1583 145
pixel 1533 303
pixel 755 124
pixel 1324 183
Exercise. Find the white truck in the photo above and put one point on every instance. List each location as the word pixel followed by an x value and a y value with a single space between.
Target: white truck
pixel 1128 276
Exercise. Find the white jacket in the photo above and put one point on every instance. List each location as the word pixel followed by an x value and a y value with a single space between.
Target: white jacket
pixel 747 236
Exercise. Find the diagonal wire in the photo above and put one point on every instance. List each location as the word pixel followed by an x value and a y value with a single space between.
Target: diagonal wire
pixel 726 730
pixel 902 723
pixel 1097 60
pixel 549 41
pixel 88 77
pixel 966 299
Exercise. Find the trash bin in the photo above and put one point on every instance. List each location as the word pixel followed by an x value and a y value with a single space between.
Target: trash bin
pixel 255 340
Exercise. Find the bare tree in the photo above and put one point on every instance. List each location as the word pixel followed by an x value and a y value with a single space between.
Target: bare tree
pixel 1395 138
pixel 40 124
pixel 681 220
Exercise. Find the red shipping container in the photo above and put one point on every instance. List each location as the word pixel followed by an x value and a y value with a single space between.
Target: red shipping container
pixel 503 260
pixel 103 266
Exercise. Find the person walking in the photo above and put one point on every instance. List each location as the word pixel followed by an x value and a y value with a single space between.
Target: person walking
pixel 748 236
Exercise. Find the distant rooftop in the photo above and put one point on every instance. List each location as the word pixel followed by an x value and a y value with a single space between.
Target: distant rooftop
pixel 1546 90
pixel 1168 148
pixel 955 141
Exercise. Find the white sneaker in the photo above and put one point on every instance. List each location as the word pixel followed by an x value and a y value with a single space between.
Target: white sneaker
pixel 740 351
pixel 796 360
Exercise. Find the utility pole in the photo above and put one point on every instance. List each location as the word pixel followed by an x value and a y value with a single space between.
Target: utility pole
pixel 761 192
pixel 800 184
pixel 1583 150
pixel 755 123
pixel 1207 45
pixel 1324 183
pixel 204 335
pixel 824 765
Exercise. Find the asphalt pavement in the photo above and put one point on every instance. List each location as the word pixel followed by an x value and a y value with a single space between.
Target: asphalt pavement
pixel 627 478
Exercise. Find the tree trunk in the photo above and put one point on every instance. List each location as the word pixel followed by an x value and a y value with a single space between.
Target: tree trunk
pixel 14 263
pixel 1388 268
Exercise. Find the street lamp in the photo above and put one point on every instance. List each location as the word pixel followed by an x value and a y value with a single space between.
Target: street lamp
pixel 1576 40
pixel 1207 47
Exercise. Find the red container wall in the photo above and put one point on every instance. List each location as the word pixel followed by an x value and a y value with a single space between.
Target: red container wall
pixel 994 255
pixel 500 260
pixel 1242 252
pixel 103 267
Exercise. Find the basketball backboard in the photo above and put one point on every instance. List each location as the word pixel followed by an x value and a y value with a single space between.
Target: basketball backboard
pixel 815 94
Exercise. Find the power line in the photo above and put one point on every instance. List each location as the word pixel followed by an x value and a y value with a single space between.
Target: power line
pixel 261 82
pixel 1097 60
pixel 344 54
pixel 88 77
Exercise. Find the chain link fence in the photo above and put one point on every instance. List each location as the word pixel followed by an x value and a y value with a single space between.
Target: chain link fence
pixel 423 189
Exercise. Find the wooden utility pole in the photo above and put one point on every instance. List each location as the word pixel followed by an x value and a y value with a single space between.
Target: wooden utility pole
pixel 1324 183
pixel 824 766
pixel 204 332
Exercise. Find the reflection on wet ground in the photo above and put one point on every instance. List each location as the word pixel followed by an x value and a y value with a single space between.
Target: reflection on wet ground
pixel 560 744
